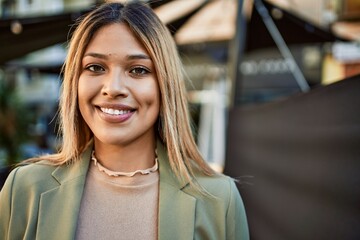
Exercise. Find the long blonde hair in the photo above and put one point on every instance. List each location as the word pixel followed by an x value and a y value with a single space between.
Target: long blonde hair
pixel 175 131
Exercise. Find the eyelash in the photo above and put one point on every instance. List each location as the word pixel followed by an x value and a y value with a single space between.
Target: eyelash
pixel 142 69
pixel 96 68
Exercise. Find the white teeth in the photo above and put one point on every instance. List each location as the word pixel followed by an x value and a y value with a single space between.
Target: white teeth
pixel 114 111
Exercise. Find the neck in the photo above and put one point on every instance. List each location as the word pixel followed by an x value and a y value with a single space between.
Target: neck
pixel 127 158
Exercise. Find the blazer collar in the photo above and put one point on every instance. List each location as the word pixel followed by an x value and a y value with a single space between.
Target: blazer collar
pixel 176 207
pixel 63 202
pixel 75 170
pixel 166 174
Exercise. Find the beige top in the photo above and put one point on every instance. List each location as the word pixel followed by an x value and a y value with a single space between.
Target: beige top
pixel 119 207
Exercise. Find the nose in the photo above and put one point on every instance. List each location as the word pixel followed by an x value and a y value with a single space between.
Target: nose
pixel 115 85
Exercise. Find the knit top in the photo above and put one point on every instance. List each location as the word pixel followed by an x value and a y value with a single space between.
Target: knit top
pixel 120 207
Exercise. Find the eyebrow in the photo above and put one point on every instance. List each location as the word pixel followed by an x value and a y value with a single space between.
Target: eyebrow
pixel 96 55
pixel 129 57
pixel 138 56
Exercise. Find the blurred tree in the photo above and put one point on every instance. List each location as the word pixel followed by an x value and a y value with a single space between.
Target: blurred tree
pixel 14 120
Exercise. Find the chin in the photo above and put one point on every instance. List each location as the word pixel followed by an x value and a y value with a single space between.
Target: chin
pixel 114 141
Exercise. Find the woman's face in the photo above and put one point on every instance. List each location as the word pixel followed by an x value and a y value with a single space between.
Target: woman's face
pixel 118 91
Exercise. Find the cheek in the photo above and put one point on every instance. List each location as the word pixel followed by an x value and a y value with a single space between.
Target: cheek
pixel 81 93
pixel 86 89
pixel 149 93
pixel 151 100
pixel 82 87
pixel 154 98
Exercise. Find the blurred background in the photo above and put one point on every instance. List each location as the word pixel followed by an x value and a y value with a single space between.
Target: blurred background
pixel 273 94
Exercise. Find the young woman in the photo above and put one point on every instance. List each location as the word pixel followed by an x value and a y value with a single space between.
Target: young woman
pixel 128 167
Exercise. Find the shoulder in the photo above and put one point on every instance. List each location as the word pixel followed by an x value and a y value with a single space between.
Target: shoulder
pixel 223 205
pixel 221 193
pixel 24 186
pixel 20 195
pixel 220 186
pixel 34 171
pixel 30 176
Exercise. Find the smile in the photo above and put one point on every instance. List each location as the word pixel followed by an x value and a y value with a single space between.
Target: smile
pixel 112 111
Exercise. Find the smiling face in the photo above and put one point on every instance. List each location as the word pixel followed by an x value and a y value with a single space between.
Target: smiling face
pixel 118 91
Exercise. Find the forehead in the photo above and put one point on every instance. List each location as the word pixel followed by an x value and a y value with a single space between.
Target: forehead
pixel 115 38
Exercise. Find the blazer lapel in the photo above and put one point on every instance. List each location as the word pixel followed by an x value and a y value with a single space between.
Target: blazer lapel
pixel 176 208
pixel 63 201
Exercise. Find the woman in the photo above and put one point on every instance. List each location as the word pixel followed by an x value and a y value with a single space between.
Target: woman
pixel 128 167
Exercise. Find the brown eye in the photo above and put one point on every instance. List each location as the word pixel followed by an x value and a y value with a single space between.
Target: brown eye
pixel 95 68
pixel 139 71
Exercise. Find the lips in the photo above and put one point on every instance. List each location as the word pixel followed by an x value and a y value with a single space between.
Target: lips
pixel 112 111
pixel 115 113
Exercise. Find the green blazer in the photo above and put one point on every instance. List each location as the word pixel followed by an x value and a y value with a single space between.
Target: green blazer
pixel 42 202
